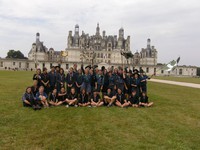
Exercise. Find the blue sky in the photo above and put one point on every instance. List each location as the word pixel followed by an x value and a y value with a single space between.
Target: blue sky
pixel 173 26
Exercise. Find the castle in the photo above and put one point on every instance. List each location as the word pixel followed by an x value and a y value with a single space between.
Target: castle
pixel 94 49
pixel 98 49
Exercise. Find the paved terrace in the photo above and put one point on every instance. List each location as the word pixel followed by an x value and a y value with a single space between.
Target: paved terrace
pixel 192 85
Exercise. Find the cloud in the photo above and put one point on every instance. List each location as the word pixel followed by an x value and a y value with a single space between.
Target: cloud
pixel 173 26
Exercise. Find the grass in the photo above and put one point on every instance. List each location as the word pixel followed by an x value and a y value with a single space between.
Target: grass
pixel 173 123
pixel 179 79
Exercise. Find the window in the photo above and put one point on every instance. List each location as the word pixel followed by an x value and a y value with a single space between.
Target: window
pixel 101 55
pixel 109 55
pixel 1 63
pixel 13 63
pixel 147 70
pixel 162 71
pixel 67 66
pixel 180 71
pixel 20 64
pixel 43 65
pixel 27 65
pixel 51 65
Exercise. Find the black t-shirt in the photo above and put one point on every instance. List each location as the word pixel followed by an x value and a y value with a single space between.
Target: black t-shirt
pixel 144 99
pixel 121 98
pixel 111 94
pixel 34 90
pixel 53 97
pixel 63 97
pixel 93 80
pixel 95 99
pixel 83 98
pixel 134 99
pixel 38 78
pixel 72 96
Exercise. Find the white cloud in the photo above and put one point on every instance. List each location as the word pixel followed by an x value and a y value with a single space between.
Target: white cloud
pixel 173 26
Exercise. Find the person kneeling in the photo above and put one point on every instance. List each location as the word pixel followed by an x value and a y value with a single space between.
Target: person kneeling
pixel 134 99
pixel 83 99
pixel 29 100
pixel 144 100
pixel 121 99
pixel 41 96
pixel 72 98
pixel 96 100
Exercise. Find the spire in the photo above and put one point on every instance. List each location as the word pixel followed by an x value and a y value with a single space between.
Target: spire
pixel 37 36
pixel 98 29
pixel 149 43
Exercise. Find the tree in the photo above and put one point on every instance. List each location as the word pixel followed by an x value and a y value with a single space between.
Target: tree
pixel 15 54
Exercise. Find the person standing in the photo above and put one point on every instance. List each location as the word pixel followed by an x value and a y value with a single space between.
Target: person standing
pixel 45 81
pixel 52 78
pixel 37 76
pixel 60 78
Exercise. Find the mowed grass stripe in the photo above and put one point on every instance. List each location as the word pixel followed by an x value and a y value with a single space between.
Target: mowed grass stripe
pixel 172 123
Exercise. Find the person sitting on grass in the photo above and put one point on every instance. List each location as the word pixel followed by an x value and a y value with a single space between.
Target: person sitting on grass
pixel 96 100
pixel 53 98
pixel 41 96
pixel 121 99
pixel 134 99
pixel 62 96
pixel 72 98
pixel 29 100
pixel 83 99
pixel 109 97
pixel 144 100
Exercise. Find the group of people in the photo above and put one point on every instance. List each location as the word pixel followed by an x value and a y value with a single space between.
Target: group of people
pixel 87 87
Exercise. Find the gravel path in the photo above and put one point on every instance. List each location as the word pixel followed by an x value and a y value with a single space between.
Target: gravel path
pixel 193 85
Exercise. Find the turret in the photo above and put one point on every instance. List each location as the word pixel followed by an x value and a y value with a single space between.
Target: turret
pixel 76 36
pixel 148 43
pixel 37 37
pixel 98 29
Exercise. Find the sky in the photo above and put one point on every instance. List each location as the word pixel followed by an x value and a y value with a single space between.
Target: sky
pixel 172 25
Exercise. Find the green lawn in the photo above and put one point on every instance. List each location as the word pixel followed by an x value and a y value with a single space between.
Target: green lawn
pixel 173 123
pixel 179 79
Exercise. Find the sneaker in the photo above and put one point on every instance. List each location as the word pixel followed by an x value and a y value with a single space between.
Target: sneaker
pixel 75 105
pixel 109 105
pixel 67 106
pixel 88 106
pixel 38 107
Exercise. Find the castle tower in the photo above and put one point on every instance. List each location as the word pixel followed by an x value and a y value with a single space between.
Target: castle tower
pixel 104 34
pixel 148 52
pixel 76 29
pixel 149 43
pixel 37 37
pixel 76 36
pixel 121 33
pixel 69 40
pixel 98 29
pixel 120 39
